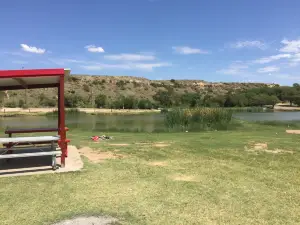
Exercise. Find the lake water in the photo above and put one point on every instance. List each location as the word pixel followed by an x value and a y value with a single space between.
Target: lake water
pixel 147 123
pixel 271 116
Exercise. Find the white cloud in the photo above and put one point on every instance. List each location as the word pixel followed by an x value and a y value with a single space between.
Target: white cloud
pixel 32 49
pixel 272 58
pixel 268 69
pixel 295 60
pixel 150 66
pixel 128 66
pixel 290 46
pixel 93 48
pixel 19 62
pixel 234 69
pixel 248 44
pixel 65 61
pixel 130 57
pixel 185 50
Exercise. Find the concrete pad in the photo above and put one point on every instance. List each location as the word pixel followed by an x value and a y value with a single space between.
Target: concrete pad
pixel 293 131
pixel 40 165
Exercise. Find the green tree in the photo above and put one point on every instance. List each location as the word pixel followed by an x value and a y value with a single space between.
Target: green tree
pixel 130 102
pixel 100 101
pixel 164 98
pixel 74 101
pixel 1 98
pixel 191 99
pixel 145 104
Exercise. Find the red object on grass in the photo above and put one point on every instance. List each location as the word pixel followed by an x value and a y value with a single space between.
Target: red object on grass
pixel 95 138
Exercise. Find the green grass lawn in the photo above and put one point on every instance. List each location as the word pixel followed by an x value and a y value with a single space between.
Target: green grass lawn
pixel 196 178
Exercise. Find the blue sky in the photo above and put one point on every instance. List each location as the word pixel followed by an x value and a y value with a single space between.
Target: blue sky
pixel 234 40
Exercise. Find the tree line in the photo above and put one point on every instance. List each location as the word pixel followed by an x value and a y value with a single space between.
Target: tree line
pixel 169 98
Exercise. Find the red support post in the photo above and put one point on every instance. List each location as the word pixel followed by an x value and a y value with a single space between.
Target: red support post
pixel 61 121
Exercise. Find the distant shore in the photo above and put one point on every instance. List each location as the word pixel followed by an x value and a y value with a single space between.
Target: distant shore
pixel 9 112
pixel 43 111
pixel 286 107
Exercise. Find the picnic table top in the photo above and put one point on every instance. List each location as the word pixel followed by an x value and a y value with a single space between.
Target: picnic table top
pixel 32 130
pixel 29 130
pixel 29 139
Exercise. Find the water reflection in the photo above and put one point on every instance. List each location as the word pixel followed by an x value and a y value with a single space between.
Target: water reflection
pixel 133 123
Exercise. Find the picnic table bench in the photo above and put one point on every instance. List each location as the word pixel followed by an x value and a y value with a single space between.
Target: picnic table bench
pixel 12 144
pixel 10 132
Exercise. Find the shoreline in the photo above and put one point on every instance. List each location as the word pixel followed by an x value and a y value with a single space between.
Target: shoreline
pixel 10 112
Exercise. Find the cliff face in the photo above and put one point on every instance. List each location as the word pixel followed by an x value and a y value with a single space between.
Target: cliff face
pixel 114 86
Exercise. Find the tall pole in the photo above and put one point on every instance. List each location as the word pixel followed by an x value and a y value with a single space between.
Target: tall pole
pixel 61 120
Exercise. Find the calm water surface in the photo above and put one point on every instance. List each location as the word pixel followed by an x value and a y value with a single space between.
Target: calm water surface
pixel 147 123
pixel 273 116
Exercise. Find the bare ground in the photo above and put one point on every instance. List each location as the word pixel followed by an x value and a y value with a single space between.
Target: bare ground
pixel 89 221
pixel 98 156
pixel 263 147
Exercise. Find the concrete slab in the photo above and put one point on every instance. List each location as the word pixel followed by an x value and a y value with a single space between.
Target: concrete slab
pixel 40 165
pixel 293 131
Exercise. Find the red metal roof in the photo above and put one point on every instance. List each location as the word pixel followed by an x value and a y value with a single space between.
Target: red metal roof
pixel 36 78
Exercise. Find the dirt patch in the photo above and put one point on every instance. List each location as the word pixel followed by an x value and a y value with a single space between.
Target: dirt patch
pixel 263 147
pixel 182 177
pixel 161 144
pixel 124 144
pixel 260 146
pixel 293 131
pixel 142 143
pixel 158 163
pixel 97 156
pixel 277 151
pixel 89 221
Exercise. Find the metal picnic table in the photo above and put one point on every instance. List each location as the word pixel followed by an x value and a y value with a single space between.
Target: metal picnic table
pixel 12 144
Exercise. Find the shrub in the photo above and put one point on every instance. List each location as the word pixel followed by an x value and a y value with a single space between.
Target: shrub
pixel 198 119
pixel 145 104
pixel 86 88
pixel 100 101
pixel 74 101
pixel 45 101
pixel 73 78
pixel 11 104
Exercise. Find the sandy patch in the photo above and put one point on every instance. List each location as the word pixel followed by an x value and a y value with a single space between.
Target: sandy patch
pixel 142 143
pixel 161 144
pixel 182 177
pixel 263 147
pixel 89 221
pixel 123 144
pixel 97 156
pixel 293 131
pixel 158 163
pixel 277 151
pixel 260 146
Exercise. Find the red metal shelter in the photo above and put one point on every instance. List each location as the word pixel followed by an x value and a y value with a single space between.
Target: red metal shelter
pixel 40 78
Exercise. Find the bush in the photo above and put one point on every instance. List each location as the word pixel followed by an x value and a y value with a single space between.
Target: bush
pixel 74 101
pixel 100 101
pixel 72 78
pixel 22 104
pixel 96 82
pixel 145 104
pixel 136 84
pixel 45 101
pixel 11 104
pixel 86 88
pixel 198 119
